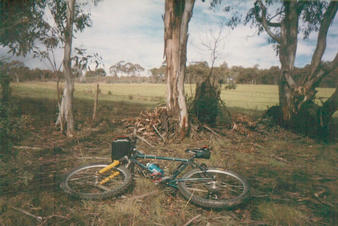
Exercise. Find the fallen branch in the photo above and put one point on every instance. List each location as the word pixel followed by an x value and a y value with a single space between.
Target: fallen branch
pixel 28 148
pixel 279 158
pixel 192 219
pixel 38 218
pixel 144 140
pixel 42 220
pixel 211 130
pixel 158 133
pixel 324 202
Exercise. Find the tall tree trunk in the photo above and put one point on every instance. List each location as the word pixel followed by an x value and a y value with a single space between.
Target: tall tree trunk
pixel 176 19
pixel 66 109
pixel 287 55
pixel 17 77
pixel 61 105
pixel 294 96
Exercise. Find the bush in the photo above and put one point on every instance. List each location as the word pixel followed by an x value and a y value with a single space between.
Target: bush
pixel 206 103
pixel 208 106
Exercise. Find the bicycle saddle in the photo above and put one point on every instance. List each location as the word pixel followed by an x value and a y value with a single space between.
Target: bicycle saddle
pixel 203 152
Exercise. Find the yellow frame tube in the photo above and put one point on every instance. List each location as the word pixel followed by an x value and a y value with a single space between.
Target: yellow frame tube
pixel 105 180
pixel 115 163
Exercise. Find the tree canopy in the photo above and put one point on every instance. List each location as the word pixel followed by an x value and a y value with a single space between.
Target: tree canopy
pixel 39 26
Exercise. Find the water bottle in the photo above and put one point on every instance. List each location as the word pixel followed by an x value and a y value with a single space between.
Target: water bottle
pixel 155 169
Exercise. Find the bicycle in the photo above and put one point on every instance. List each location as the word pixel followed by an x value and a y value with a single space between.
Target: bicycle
pixel 203 186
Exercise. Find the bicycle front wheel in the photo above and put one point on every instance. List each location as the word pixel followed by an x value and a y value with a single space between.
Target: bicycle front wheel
pixel 214 188
pixel 85 182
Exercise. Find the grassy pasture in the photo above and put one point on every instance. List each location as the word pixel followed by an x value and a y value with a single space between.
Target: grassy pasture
pixel 293 178
pixel 254 97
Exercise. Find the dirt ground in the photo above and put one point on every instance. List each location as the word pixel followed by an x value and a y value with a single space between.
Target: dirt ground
pixel 293 178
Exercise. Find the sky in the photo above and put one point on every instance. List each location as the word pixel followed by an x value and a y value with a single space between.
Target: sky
pixel 133 31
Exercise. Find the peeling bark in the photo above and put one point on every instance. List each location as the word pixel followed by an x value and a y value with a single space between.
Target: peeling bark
pixel 176 19
pixel 66 108
pixel 62 109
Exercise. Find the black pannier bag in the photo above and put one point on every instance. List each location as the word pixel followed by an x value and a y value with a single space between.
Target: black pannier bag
pixel 121 147
pixel 203 153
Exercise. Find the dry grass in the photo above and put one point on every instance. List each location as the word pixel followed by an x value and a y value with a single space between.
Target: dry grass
pixel 293 178
pixel 281 214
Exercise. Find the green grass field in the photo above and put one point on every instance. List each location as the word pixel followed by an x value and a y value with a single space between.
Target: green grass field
pixel 255 97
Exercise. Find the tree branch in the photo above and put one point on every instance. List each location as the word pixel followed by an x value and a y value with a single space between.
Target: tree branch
pixel 265 23
pixel 277 14
pixel 321 73
pixel 329 15
pixel 273 24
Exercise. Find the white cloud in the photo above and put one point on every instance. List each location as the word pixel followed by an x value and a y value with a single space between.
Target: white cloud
pixel 239 47
pixel 121 32
pixel 305 48
pixel 133 31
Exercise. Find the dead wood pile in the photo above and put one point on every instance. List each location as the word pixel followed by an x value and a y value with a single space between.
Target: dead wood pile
pixel 158 126
pixel 155 125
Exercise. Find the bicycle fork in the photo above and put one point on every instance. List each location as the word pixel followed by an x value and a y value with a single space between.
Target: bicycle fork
pixel 111 176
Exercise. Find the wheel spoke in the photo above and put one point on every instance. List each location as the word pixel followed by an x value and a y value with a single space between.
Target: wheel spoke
pixel 224 188
pixel 102 187
pixel 84 182
pixel 197 190
pixel 80 178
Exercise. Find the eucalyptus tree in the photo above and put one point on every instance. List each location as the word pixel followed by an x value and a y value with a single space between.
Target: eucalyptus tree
pixel 28 25
pixel 285 22
pixel 176 19
pixel 283 27
pixel 66 17
pixel 127 68
pixel 117 68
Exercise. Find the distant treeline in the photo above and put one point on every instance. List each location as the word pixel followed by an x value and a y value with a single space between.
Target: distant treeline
pixel 18 72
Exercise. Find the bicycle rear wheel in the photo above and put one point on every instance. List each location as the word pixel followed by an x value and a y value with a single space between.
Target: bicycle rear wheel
pixel 224 189
pixel 83 182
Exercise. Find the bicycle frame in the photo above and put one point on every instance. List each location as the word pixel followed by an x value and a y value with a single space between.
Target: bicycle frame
pixel 172 180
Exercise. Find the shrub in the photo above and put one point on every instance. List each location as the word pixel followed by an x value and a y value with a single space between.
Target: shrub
pixel 208 106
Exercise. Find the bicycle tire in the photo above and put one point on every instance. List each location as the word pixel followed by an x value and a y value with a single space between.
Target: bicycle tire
pixel 81 182
pixel 208 194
